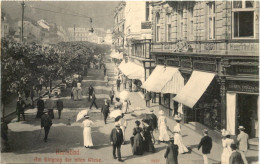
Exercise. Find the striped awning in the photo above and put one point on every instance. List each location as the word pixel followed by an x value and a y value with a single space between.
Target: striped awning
pixel 194 89
pixel 164 80
pixel 132 70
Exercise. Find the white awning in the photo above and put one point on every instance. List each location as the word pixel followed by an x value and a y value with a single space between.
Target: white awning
pixel 195 87
pixel 135 71
pixel 164 80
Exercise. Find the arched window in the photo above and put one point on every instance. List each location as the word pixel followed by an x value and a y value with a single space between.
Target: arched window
pixel 157 33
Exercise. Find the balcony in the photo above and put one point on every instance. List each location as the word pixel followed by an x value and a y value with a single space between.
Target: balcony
pixel 180 46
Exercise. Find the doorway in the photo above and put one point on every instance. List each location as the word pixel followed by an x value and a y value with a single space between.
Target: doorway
pixel 247 113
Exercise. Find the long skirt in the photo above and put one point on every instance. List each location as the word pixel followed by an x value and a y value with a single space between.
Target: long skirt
pixel 87 137
pixel 79 94
pixel 75 94
pixel 163 133
pixel 225 156
pixel 178 141
pixel 137 148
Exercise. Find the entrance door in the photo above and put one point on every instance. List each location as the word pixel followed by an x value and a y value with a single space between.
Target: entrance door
pixel 247 113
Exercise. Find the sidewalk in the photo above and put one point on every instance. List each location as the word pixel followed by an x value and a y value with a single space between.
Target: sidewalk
pixel 191 137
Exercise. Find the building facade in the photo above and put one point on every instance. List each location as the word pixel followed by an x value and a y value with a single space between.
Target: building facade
pixel 217 39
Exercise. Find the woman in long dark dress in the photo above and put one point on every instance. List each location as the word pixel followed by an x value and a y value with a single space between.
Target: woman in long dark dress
pixel 148 136
pixel 138 140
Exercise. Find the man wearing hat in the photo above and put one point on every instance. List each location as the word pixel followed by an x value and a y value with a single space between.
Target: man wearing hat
pixel 105 110
pixel 171 153
pixel 206 144
pixel 40 107
pixel 242 139
pixel 46 123
pixel 116 139
pixel 20 107
pixel 49 105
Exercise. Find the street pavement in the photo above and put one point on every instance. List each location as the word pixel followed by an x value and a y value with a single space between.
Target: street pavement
pixel 26 137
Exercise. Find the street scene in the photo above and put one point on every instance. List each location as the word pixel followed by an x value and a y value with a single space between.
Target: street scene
pixel 130 82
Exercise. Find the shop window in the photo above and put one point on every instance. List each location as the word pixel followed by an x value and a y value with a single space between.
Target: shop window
pixel 168 27
pixel 157 27
pixel 243 19
pixel 211 20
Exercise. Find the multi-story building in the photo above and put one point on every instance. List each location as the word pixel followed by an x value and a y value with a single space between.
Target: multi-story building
pixel 4 26
pixel 119 27
pixel 212 49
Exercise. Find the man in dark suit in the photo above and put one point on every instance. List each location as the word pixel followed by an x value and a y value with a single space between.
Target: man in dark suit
pixel 59 105
pixel 118 82
pixel 93 100
pixel 90 92
pixel 116 139
pixel 20 107
pixel 46 123
pixel 171 153
pixel 105 110
pixel 235 157
pixel 206 144
pixel 147 97
pixel 40 107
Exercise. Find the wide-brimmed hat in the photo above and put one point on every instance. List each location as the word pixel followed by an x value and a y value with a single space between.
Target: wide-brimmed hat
pixel 177 118
pixel 206 131
pixel 117 124
pixel 226 133
pixel 86 116
pixel 161 112
pixel 241 128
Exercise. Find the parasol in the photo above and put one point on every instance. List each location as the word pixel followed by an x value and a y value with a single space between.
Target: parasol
pixel 150 119
pixel 81 114
pixel 124 95
pixel 115 113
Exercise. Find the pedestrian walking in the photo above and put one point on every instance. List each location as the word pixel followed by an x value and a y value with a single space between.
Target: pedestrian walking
pixel 106 80
pixel 153 96
pixel 171 153
pixel 20 107
pixel 226 143
pixel 105 110
pixel 137 140
pixel 59 105
pixel 123 126
pixel 90 91
pixel 79 91
pixel 130 85
pixel 116 139
pixel 32 96
pixel 118 104
pixel 242 139
pixel 178 137
pixel 162 126
pixel 118 82
pixel 124 81
pixel 105 71
pixel 206 144
pixel 74 93
pixel 49 105
pixel 46 123
pixel 87 132
pixel 125 106
pixel 111 94
pixel 147 98
pixel 40 107
pixel 235 157
pixel 148 137
pixel 93 100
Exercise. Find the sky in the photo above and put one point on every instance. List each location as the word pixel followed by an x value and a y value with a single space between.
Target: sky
pixel 66 13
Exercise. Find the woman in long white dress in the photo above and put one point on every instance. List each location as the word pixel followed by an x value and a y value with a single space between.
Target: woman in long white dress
pixel 79 91
pixel 178 137
pixel 226 143
pixel 87 132
pixel 164 136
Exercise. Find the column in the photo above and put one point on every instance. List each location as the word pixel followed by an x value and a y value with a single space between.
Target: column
pixel 222 82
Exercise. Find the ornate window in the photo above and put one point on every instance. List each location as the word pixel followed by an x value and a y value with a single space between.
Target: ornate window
pixel 157 33
pixel 168 27
pixel 211 20
pixel 243 13
pixel 190 25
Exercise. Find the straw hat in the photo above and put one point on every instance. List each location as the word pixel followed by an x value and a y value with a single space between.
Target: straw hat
pixel 86 116
pixel 241 128
pixel 161 112
pixel 206 131
pixel 177 118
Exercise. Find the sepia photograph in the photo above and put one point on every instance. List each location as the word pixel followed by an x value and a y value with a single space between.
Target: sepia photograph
pixel 136 82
